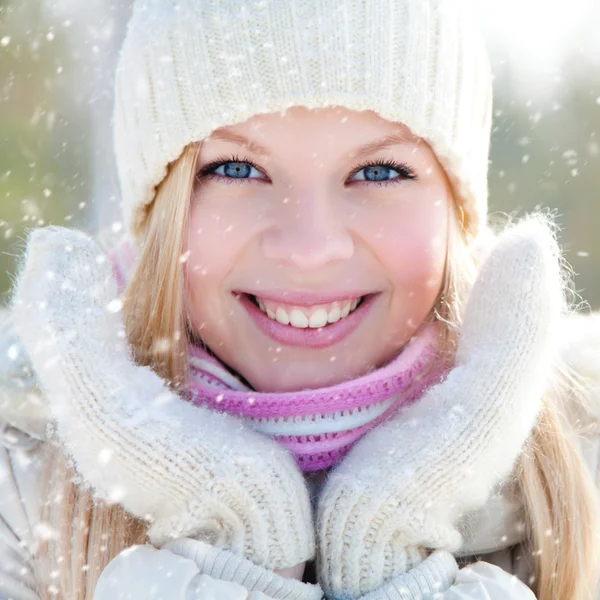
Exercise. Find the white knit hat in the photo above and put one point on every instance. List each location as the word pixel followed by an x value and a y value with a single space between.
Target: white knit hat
pixel 188 67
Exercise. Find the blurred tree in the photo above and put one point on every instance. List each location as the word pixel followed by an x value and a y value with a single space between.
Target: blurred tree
pixel 546 152
pixel 44 125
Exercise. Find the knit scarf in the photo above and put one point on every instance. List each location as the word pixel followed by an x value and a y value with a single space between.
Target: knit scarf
pixel 317 426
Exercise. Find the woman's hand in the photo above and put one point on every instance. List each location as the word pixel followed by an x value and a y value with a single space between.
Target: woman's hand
pixel 402 488
pixel 187 470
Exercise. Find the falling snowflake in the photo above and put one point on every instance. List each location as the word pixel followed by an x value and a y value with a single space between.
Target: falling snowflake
pixel 116 494
pixel 43 531
pixel 104 456
pixel 13 352
pixel 114 306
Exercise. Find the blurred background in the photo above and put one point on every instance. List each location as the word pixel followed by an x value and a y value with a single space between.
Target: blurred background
pixel 56 162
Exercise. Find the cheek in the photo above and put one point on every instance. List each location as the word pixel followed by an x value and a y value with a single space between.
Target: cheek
pixel 213 242
pixel 412 247
pixel 210 250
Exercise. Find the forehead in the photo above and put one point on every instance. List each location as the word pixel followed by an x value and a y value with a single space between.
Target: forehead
pixel 331 126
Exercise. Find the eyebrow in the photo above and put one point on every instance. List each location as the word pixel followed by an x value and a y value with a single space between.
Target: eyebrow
pixel 385 142
pixel 240 140
pixel 396 139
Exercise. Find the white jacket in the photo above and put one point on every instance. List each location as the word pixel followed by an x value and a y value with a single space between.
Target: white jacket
pixel 494 558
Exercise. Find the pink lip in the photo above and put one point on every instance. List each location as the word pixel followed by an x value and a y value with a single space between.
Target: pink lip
pixel 321 337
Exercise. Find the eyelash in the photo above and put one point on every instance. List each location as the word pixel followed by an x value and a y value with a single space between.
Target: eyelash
pixel 402 168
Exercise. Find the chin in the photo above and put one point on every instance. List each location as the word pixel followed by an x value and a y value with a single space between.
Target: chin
pixel 292 378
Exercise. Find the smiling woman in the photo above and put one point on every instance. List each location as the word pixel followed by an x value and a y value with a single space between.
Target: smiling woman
pixel 325 210
pixel 312 351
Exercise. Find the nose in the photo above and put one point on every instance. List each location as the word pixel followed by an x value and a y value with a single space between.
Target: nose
pixel 309 232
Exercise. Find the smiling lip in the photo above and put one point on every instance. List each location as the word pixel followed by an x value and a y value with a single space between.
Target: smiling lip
pixel 321 337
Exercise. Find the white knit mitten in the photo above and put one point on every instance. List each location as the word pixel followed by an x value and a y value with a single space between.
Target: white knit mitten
pixel 188 470
pixel 404 485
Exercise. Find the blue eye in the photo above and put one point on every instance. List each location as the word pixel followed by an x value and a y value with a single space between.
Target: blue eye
pixel 236 170
pixel 376 174
pixel 382 171
pixel 231 169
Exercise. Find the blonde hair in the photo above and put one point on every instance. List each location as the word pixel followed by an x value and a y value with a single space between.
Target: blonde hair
pixel 561 510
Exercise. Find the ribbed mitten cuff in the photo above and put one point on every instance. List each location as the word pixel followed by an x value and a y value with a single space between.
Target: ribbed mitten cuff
pixel 226 566
pixel 433 576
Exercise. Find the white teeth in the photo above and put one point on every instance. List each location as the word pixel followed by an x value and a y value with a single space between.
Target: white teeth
pixel 313 317
pixel 282 317
pixel 318 319
pixel 334 315
pixel 298 319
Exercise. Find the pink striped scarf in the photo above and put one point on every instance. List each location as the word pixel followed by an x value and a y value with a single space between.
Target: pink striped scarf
pixel 318 427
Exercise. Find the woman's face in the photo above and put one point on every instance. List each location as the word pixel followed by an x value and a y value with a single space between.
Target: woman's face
pixel 297 216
